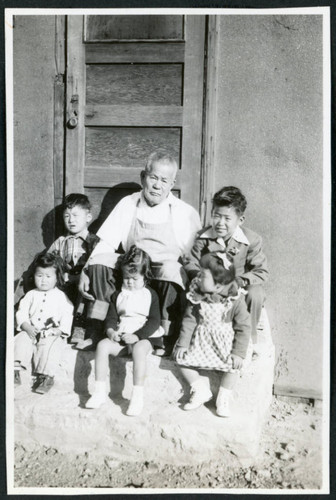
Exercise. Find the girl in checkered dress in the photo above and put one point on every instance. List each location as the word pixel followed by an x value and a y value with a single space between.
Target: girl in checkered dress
pixel 215 332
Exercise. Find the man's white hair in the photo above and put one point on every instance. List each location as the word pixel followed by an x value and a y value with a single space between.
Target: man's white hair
pixel 163 157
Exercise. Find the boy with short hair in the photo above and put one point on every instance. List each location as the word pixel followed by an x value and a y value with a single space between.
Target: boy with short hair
pixel 227 236
pixel 75 248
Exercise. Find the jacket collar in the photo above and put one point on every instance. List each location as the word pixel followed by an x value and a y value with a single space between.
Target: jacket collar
pixel 238 236
pixel 82 235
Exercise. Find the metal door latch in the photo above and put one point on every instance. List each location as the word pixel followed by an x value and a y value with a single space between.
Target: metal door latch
pixel 73 118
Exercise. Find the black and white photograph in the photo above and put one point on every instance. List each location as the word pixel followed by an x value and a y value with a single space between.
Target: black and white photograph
pixel 177 159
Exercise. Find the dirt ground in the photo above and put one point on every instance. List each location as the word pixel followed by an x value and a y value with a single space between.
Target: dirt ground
pixel 289 458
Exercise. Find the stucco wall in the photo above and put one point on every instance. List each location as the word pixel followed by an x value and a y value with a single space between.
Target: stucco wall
pixel 34 71
pixel 269 143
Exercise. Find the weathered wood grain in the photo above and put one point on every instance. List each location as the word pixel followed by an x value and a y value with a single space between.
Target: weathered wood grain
pixel 134 83
pixel 119 27
pixel 128 147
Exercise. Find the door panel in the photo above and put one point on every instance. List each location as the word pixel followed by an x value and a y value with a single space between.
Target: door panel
pixel 144 84
pixel 102 28
pixel 126 99
pixel 127 147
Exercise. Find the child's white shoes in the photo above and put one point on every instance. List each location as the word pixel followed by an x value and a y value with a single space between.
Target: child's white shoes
pixel 96 401
pixel 136 404
pixel 99 396
pixel 199 394
pixel 223 402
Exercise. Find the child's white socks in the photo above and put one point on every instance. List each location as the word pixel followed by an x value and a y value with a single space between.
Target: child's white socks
pixel 98 397
pixel 223 402
pixel 137 401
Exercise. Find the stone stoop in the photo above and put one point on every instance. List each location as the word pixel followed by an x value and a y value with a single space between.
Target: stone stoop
pixel 164 431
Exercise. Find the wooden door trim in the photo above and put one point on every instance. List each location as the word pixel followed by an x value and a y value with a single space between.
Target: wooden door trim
pixel 210 129
pixel 132 115
pixel 75 88
pixel 154 52
pixel 59 93
pixel 193 108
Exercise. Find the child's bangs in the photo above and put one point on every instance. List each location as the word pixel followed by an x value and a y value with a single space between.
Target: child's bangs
pixel 133 268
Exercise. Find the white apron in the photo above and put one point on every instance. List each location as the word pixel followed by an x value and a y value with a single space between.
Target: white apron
pixel 159 241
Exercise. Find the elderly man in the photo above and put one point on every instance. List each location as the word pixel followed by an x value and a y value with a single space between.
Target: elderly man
pixel 160 224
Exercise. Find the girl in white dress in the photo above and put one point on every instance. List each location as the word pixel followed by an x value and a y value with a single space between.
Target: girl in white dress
pixel 132 325
pixel 215 332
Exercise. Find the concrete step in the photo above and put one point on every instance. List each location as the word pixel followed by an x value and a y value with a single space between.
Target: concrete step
pixel 164 431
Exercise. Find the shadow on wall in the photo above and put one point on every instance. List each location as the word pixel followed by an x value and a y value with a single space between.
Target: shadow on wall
pixel 52 227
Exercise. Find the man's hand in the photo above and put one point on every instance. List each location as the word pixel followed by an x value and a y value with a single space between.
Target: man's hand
pixel 113 335
pixel 84 286
pixel 129 338
pixel 179 353
pixel 241 282
pixel 237 362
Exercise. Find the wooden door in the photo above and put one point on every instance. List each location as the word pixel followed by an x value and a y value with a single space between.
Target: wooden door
pixel 133 84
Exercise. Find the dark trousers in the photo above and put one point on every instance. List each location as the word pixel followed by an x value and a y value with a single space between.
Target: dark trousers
pixel 255 299
pixel 172 301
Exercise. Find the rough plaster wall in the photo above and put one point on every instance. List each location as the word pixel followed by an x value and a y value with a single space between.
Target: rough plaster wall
pixel 269 143
pixel 34 70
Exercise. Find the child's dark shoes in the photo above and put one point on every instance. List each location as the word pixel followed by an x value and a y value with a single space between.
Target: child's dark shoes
pixel 43 384
pixel 17 378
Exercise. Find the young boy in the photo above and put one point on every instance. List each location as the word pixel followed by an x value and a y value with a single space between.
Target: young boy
pixel 76 247
pixel 226 236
